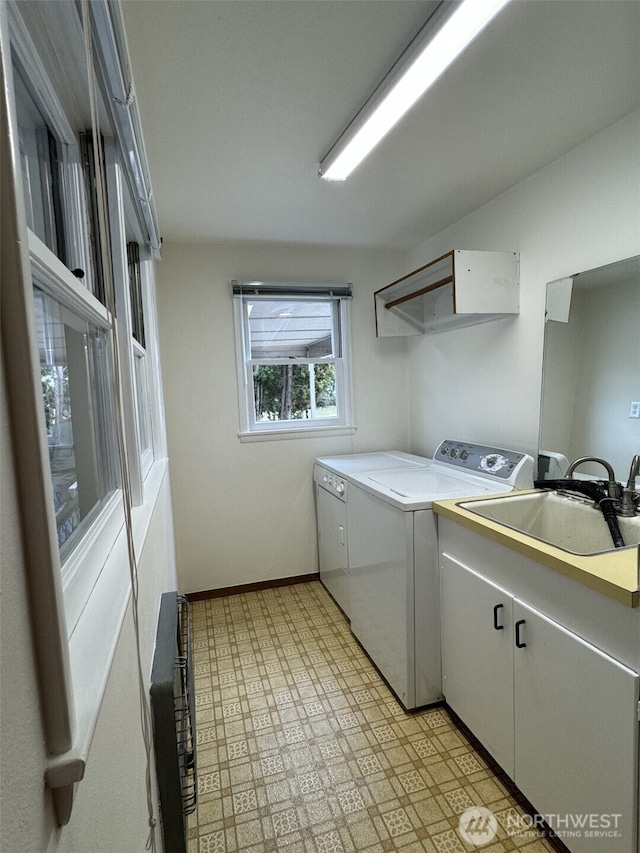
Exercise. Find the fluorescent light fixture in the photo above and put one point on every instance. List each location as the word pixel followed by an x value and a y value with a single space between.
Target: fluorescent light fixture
pixel 446 34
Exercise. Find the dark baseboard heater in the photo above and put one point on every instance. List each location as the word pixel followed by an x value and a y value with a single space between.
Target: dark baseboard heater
pixel 173 714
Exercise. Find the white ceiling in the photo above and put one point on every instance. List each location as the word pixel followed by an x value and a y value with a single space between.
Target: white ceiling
pixel 240 99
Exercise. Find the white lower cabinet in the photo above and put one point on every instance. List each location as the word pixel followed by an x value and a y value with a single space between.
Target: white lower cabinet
pixel 576 723
pixel 559 715
pixel 477 657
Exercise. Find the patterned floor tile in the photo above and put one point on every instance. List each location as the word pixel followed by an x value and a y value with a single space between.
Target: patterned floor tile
pixel 302 747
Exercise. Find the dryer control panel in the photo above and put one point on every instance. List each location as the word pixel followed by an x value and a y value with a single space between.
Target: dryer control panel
pixel 509 466
pixel 330 481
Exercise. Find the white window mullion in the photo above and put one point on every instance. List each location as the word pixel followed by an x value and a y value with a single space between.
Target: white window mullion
pixel 312 389
pixel 75 215
pixel 115 192
pixel 143 407
pixel 152 359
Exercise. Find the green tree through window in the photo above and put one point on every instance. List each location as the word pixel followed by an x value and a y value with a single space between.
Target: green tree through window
pixel 294 391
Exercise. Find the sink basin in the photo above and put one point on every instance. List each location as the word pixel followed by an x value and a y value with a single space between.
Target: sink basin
pixel 568 523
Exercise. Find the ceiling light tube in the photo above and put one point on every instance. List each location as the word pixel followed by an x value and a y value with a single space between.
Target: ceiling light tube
pixel 451 28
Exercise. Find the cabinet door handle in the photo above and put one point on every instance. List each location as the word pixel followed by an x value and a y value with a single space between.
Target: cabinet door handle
pixel 495 617
pixel 519 644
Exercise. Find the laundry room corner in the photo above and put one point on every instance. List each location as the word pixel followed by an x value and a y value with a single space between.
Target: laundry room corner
pixel 570 216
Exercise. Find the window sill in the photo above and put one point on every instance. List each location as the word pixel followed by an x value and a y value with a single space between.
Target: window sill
pixel 82 569
pixel 93 643
pixel 310 432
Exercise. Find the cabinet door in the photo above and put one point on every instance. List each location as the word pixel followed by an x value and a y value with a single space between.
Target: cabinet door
pixel 576 736
pixel 477 657
pixel 332 546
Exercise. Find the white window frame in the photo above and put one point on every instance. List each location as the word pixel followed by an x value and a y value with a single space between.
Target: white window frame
pixel 81 569
pixel 79 608
pixel 130 351
pixel 74 213
pixel 250 428
pixel 155 400
pixel 143 409
pixel 146 360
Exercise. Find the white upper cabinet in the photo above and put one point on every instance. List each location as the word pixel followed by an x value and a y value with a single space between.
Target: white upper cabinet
pixel 461 288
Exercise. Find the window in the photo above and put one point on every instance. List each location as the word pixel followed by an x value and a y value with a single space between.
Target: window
pixel 40 162
pixel 138 344
pixel 77 408
pixel 51 171
pixel 132 281
pixel 292 345
pixel 78 404
pixel 142 403
pixel 97 253
pixel 135 293
pixel 75 370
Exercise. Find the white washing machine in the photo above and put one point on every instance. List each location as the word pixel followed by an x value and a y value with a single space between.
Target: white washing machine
pixel 378 548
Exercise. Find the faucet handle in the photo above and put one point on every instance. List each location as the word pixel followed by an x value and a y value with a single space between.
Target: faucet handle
pixel 630 495
pixel 614 490
pixel 633 472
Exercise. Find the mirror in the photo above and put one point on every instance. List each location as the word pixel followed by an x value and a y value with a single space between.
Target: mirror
pixel 591 371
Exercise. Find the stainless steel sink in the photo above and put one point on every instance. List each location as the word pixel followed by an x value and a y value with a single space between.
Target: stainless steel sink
pixel 567 523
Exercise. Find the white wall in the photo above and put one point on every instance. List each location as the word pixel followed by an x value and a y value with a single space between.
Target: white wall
pixel 583 211
pixel 245 512
pixel 110 812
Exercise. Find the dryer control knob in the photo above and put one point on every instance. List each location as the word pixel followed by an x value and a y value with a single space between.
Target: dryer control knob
pixel 340 488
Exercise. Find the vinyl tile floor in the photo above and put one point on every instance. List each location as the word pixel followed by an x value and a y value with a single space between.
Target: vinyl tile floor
pixel 302 747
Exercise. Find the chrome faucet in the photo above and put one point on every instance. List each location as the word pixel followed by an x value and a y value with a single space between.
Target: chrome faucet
pixel 614 489
pixel 630 494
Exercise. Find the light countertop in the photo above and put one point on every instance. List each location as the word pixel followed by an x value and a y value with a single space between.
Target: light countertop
pixel 614 573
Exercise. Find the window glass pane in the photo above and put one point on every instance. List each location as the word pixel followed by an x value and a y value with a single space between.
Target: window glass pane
pixel 135 293
pixel 97 251
pixel 285 392
pixel 290 328
pixel 74 366
pixel 39 157
pixel 325 390
pixel 142 403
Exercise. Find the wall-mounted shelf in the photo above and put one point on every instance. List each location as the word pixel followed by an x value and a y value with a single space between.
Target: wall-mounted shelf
pixel 461 288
